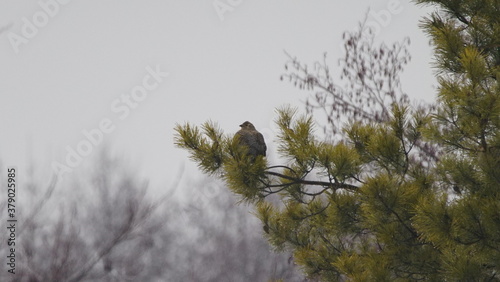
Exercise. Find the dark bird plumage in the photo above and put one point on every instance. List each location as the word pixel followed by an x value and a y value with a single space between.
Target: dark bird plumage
pixel 253 139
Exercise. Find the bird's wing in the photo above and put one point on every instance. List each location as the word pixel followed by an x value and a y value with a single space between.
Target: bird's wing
pixel 245 138
pixel 261 142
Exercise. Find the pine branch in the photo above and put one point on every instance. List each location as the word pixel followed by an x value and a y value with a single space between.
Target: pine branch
pixel 295 180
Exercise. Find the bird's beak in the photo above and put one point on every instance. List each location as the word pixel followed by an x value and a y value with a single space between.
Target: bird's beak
pixel 241 125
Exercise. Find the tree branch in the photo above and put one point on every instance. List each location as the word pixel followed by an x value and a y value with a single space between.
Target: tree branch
pixel 334 186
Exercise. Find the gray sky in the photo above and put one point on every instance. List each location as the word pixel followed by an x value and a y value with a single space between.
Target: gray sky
pixel 69 68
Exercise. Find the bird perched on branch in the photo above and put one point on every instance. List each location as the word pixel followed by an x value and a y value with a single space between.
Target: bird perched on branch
pixel 253 139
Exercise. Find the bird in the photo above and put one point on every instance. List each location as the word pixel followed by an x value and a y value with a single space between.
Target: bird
pixel 252 139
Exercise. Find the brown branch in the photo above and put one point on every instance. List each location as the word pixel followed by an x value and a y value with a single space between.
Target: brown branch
pixel 122 235
pixel 316 183
pixel 39 206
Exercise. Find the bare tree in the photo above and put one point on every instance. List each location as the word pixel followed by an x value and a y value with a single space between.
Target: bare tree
pixel 105 233
pixel 100 225
pixel 369 80
pixel 368 87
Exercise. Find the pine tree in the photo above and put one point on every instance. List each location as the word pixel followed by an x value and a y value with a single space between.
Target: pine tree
pixel 466 228
pixel 398 192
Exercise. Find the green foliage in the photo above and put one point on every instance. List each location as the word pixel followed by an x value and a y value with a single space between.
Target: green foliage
pixel 464 227
pixel 361 205
pixel 206 146
pixel 413 194
pixel 296 141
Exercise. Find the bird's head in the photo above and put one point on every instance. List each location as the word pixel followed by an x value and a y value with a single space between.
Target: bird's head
pixel 247 125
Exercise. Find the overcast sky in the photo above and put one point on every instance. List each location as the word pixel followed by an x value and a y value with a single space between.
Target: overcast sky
pixel 132 69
